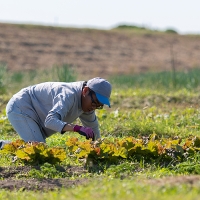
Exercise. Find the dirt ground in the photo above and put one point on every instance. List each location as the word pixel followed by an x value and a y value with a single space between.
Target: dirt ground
pixel 10 182
pixel 96 52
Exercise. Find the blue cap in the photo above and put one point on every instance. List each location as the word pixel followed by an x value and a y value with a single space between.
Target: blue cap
pixel 102 89
pixel 102 99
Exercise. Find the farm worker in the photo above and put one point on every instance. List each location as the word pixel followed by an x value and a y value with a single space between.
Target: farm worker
pixel 36 112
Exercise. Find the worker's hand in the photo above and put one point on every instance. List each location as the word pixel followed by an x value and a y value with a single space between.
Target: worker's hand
pixel 85 131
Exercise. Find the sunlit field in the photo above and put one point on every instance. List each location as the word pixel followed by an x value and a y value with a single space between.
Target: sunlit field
pixel 149 147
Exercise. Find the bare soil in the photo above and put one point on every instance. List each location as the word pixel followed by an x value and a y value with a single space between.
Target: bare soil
pixel 10 182
pixel 96 52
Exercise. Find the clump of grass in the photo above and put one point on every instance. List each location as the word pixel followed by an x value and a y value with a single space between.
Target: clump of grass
pixel 14 81
pixel 160 80
pixel 65 73
pixel 3 78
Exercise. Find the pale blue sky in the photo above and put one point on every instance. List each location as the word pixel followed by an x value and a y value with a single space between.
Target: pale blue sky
pixel 181 15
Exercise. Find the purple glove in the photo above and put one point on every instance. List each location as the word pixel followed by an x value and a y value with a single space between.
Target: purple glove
pixel 85 131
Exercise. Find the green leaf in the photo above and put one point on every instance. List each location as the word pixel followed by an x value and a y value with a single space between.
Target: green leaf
pixel 121 152
pixel 22 155
pixel 58 153
pixel 72 144
pixel 196 142
pixel 179 149
pixel 153 148
pixel 8 148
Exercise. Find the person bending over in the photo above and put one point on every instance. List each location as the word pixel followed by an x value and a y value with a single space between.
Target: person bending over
pixel 36 112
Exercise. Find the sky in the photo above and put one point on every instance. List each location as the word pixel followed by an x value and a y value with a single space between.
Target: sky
pixel 180 15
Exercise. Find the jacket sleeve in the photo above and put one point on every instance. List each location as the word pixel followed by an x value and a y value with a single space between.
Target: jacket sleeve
pixel 54 119
pixel 90 120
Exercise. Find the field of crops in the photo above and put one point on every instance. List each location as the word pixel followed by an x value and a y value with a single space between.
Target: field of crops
pixel 150 145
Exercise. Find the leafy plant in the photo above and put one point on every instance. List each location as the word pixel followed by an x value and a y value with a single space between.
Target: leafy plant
pixel 150 148
pixel 34 152
pixel 48 170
